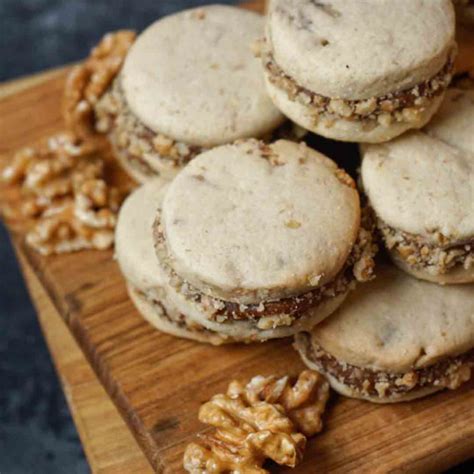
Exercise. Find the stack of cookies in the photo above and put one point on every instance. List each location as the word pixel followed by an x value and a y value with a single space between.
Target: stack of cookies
pixel 241 233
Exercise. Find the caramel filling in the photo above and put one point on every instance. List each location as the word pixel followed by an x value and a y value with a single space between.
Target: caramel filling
pixel 282 312
pixel 448 373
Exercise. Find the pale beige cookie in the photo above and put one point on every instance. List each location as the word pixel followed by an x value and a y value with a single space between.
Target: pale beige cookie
pixel 262 254
pixel 251 222
pixel 395 339
pixel 351 71
pixel 421 187
pixel 178 95
pixel 134 238
pixel 145 280
pixel 202 86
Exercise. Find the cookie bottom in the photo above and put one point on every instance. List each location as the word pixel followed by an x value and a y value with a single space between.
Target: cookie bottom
pixel 385 387
pixel 174 324
pixel 341 129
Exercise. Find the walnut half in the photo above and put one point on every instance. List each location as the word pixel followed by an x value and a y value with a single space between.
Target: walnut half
pixel 269 418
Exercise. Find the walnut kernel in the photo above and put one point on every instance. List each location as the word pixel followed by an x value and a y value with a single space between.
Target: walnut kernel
pixel 268 418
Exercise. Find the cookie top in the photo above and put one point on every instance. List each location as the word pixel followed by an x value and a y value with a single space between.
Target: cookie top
pixel 361 49
pixel 423 182
pixel 249 222
pixel 134 246
pixel 397 322
pixel 193 77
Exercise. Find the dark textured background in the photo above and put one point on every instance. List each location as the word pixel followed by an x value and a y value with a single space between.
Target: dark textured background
pixel 37 434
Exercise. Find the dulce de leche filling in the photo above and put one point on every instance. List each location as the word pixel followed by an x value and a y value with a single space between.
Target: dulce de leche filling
pixel 283 312
pixel 400 106
pixel 448 373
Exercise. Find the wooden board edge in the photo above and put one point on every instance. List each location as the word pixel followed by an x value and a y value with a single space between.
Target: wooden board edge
pixel 21 84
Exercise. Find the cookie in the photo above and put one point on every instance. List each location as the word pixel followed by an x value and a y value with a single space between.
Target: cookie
pixel 180 94
pixel 421 188
pixel 136 258
pixel 396 339
pixel 257 237
pixel 351 72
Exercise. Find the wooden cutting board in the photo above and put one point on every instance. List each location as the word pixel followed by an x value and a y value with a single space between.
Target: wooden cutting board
pixel 158 382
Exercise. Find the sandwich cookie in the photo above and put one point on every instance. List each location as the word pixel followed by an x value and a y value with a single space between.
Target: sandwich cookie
pixel 189 82
pixel 421 187
pixel 136 258
pixel 396 339
pixel 260 241
pixel 351 72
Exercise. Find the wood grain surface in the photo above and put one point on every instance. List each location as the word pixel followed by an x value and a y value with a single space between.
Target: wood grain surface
pixel 108 443
pixel 158 382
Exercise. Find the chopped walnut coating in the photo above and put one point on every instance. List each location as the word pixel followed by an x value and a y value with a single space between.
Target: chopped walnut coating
pixel 63 187
pixel 283 312
pixel 419 253
pixel 450 372
pixel 88 81
pixel 131 137
pixel 264 419
pixel 402 106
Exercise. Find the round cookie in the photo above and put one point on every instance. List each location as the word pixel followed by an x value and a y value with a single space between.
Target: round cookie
pixel 203 86
pixel 396 339
pixel 178 95
pixel 234 216
pixel 349 71
pixel 136 258
pixel 249 221
pixel 421 187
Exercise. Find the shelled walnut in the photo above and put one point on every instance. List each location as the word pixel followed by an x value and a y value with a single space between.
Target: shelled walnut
pixel 88 81
pixel 269 418
pixel 304 400
pixel 63 189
